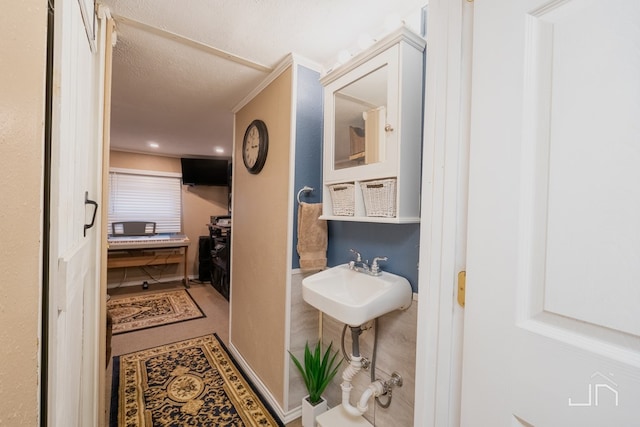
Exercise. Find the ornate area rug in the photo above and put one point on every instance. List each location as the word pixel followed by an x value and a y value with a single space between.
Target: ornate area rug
pixel 189 383
pixel 149 310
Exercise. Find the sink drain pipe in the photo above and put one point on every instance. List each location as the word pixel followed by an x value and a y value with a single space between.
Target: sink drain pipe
pixel 376 388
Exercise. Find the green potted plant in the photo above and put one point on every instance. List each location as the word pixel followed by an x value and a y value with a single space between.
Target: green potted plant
pixel 318 370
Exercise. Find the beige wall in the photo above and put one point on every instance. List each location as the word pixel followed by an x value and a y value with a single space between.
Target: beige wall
pixel 198 204
pixel 260 226
pixel 22 84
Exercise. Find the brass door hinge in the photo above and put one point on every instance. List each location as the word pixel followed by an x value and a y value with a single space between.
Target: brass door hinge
pixel 462 283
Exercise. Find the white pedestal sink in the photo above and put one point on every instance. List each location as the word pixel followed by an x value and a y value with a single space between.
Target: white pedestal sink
pixel 353 297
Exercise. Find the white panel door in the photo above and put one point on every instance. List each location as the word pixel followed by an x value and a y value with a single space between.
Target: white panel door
pixel 75 168
pixel 552 322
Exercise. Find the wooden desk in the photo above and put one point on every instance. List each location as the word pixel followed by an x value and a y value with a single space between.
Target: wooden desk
pixel 141 252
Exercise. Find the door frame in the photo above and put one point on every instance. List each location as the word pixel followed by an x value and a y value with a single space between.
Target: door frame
pixel 106 28
pixel 444 212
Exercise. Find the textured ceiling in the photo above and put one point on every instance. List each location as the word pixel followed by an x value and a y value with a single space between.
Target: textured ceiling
pixel 170 88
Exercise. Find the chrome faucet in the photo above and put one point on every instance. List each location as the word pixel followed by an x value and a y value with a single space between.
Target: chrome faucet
pixel 363 266
pixel 358 264
pixel 375 267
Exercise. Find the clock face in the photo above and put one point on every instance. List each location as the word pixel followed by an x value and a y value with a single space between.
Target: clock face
pixel 254 146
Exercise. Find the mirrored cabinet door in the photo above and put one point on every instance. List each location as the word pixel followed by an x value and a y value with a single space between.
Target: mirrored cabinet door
pixel 360 115
pixel 359 106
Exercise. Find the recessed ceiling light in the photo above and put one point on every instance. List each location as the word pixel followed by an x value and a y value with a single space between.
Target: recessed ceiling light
pixel 153 144
pixel 219 150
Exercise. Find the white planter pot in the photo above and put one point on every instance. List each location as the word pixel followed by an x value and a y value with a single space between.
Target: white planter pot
pixel 310 412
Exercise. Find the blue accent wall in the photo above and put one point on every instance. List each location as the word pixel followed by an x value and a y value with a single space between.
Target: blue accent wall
pixel 308 161
pixel 399 242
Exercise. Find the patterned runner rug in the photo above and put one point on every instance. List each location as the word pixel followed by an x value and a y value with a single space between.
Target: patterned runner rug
pixel 189 383
pixel 149 310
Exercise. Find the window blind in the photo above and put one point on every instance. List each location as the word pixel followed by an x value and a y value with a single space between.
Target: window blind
pixel 140 197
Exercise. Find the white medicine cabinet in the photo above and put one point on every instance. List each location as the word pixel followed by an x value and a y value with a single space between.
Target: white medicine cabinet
pixel 373 133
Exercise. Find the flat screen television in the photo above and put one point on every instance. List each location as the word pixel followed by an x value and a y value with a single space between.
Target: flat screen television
pixel 205 172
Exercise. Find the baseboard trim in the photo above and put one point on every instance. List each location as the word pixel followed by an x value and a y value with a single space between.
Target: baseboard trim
pixel 285 417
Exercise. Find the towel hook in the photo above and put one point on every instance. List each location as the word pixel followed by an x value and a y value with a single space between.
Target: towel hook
pixel 304 189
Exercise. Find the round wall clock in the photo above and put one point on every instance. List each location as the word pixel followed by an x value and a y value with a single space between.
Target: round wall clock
pixel 255 146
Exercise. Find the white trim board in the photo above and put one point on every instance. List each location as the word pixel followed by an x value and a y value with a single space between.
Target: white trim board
pixel 443 231
pixel 289 60
pixel 285 417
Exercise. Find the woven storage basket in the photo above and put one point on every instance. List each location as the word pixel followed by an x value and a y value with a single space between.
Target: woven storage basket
pixel 343 198
pixel 380 197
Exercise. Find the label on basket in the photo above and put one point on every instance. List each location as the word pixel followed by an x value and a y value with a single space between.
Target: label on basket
pixel 375 185
pixel 340 188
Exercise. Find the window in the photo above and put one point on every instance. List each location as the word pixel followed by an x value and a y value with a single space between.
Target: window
pixel 146 196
